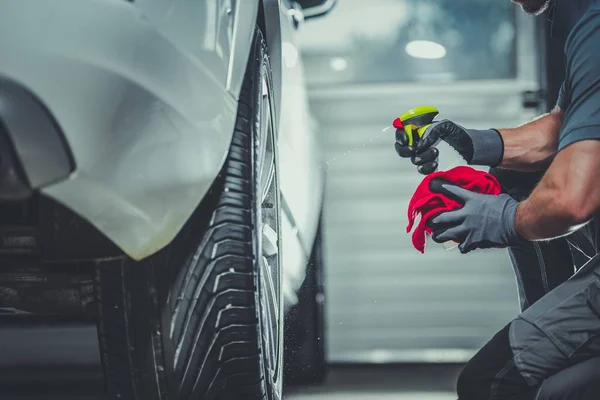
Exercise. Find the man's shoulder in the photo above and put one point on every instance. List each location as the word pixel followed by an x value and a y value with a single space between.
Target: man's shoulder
pixel 581 91
pixel 587 27
pixel 584 39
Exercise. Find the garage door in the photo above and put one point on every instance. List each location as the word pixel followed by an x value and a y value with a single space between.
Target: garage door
pixel 366 63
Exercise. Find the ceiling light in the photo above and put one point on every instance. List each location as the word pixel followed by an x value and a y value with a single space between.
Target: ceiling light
pixel 338 64
pixel 425 49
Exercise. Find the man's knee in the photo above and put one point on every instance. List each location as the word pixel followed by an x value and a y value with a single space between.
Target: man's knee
pixel 478 377
pixel 491 373
pixel 477 382
pixel 472 383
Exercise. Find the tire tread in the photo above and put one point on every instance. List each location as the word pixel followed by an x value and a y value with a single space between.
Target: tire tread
pixel 208 320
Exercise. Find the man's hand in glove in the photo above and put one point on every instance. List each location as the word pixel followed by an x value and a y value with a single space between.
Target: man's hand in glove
pixel 484 221
pixel 477 147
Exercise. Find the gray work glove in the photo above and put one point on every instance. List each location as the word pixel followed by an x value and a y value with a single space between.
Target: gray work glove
pixel 484 221
pixel 477 147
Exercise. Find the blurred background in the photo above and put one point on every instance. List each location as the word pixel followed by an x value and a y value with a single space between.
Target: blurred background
pixel 394 318
pixel 401 323
pixel 367 63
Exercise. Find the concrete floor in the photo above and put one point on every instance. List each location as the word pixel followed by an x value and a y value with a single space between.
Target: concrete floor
pixel 373 396
pixel 361 383
pixel 62 363
pixel 370 382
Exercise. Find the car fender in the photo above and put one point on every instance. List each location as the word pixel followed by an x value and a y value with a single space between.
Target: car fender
pixel 147 112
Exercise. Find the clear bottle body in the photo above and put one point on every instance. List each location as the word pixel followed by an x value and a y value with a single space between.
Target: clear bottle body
pixel 450 245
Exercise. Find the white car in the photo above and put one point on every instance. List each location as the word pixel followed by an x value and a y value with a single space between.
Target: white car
pixel 158 170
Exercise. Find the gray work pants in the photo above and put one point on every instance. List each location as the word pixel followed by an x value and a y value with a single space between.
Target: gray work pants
pixel 551 351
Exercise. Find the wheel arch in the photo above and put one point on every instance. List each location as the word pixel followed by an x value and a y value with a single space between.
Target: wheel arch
pixel 100 191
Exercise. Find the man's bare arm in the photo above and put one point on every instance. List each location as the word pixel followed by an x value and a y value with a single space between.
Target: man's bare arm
pixel 532 146
pixel 567 196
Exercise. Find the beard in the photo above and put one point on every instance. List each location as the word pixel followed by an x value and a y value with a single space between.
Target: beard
pixel 533 7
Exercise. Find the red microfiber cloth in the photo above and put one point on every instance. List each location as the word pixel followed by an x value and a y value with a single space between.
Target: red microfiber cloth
pixel 428 204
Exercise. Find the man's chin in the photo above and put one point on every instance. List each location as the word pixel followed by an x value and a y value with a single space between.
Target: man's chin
pixel 533 7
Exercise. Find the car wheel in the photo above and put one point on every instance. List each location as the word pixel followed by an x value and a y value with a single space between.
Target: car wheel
pixel 202 318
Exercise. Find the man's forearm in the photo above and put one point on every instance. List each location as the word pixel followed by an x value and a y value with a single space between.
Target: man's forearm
pixel 567 197
pixel 532 146
pixel 542 217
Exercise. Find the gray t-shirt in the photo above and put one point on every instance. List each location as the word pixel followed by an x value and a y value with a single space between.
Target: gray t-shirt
pixel 579 95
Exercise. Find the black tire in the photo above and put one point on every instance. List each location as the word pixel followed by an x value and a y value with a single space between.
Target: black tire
pixel 186 323
pixel 304 358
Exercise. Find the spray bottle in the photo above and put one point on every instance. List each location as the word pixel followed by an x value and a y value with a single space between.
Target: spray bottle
pixel 415 122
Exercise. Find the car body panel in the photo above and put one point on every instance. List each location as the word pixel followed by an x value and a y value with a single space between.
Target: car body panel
pixel 300 151
pixel 245 16
pixel 145 94
pixel 301 178
pixel 128 85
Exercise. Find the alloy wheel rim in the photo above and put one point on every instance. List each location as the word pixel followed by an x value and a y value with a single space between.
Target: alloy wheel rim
pixel 268 218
